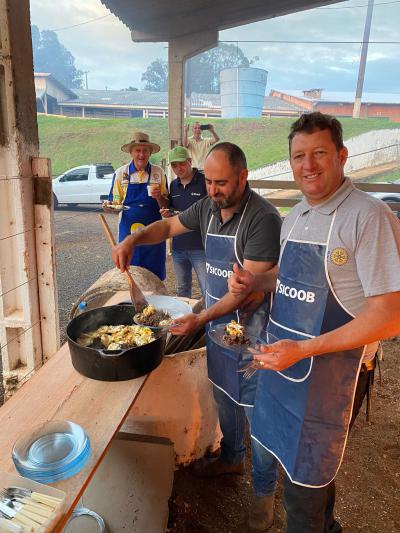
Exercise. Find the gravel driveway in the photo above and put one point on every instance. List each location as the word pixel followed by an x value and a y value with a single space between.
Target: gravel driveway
pixel 82 254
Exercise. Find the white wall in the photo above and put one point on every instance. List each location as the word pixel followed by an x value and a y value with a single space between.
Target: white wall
pixel 367 150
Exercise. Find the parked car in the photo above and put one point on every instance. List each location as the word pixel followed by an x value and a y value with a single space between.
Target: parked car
pixel 390 197
pixel 87 184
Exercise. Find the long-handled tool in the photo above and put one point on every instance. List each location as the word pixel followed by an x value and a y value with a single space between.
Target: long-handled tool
pixel 137 297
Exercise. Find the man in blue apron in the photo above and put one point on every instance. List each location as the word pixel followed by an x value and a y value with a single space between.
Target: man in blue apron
pixel 186 189
pixel 142 189
pixel 337 294
pixel 236 225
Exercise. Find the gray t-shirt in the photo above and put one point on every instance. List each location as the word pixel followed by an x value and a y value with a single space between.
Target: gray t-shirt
pixel 259 230
pixel 364 246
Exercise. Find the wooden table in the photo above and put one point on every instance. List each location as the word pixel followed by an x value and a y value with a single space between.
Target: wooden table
pixel 58 392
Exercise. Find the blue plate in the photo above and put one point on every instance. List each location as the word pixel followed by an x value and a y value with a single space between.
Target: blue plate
pixel 216 334
pixel 52 452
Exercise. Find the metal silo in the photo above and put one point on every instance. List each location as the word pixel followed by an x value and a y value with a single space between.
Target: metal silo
pixel 242 92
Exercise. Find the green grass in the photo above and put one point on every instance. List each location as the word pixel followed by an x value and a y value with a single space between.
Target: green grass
pixel 387 177
pixel 70 142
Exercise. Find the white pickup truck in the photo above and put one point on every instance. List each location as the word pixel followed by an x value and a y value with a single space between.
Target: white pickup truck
pixel 87 184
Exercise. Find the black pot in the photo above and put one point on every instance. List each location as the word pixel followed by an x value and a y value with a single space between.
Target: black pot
pixel 112 365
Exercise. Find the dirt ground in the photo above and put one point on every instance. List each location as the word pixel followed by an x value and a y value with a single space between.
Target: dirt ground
pixel 368 483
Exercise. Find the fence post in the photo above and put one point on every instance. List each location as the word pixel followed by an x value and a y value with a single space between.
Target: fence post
pixel 45 256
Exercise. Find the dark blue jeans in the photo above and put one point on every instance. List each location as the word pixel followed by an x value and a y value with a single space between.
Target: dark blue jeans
pixel 184 261
pixel 232 419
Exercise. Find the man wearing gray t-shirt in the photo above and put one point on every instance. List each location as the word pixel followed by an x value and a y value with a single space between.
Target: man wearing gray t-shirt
pixel 237 226
pixel 337 292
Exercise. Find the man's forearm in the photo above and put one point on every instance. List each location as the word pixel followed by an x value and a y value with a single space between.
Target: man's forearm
pixel 226 305
pixel 215 135
pixel 152 234
pixel 163 202
pixel 266 281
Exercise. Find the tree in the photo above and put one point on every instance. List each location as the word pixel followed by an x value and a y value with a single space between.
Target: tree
pixel 49 55
pixel 203 69
pixel 206 67
pixel 130 88
pixel 156 76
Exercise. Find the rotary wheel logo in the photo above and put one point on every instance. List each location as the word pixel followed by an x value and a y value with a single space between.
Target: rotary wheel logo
pixel 136 226
pixel 339 256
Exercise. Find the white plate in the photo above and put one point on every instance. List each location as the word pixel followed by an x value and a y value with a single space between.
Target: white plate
pixel 171 305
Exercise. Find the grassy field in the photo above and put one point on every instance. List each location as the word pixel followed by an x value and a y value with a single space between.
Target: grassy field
pixel 70 142
pixel 388 177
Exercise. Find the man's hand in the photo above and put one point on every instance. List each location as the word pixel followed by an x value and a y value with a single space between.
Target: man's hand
pixel 165 213
pixel 280 355
pixel 156 192
pixel 186 324
pixel 211 128
pixel 122 253
pixel 241 282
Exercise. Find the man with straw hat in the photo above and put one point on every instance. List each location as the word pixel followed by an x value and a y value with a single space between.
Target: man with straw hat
pixel 141 189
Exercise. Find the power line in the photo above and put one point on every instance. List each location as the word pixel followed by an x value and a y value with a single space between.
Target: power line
pixel 363 5
pixel 306 42
pixel 81 23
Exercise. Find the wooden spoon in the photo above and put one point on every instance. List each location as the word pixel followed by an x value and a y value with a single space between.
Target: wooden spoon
pixel 137 297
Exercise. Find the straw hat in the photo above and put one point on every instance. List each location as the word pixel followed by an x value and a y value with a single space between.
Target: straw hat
pixel 140 139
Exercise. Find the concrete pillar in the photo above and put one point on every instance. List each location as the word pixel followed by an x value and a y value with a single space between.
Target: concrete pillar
pixel 179 51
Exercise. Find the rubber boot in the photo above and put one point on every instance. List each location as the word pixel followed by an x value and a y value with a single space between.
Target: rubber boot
pixel 261 514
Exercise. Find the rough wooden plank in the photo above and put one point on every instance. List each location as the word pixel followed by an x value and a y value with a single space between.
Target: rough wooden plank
pixel 58 392
pixel 46 257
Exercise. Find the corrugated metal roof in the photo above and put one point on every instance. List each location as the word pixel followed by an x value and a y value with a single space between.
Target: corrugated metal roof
pixel 274 103
pixel 160 99
pixel 346 97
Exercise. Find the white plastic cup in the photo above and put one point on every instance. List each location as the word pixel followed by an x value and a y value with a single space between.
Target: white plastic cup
pixel 151 187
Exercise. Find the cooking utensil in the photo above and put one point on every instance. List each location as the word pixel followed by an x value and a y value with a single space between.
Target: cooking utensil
pixel 9 525
pixel 29 504
pixel 17 516
pixel 24 510
pixel 138 299
pixel 24 492
pixel 249 370
pixel 105 365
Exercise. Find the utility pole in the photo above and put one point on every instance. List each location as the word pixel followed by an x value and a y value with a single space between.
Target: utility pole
pixel 86 72
pixel 363 60
pixel 188 87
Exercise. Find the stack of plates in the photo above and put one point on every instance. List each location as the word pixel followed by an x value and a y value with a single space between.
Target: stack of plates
pixel 55 451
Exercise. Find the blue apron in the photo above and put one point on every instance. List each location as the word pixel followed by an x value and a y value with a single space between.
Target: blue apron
pixel 223 364
pixel 302 413
pixel 143 211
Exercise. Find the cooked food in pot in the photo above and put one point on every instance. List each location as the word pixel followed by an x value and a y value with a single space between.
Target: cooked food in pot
pixel 117 337
pixel 235 334
pixel 150 316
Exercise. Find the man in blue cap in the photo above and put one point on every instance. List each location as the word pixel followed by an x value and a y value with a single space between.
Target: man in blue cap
pixel 187 249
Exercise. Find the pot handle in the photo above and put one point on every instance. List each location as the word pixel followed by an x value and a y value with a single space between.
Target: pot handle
pixel 112 353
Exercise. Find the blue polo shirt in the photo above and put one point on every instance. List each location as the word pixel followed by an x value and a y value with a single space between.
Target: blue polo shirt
pixel 180 198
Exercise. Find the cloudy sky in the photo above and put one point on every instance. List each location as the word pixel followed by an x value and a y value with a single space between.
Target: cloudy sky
pixel 104 48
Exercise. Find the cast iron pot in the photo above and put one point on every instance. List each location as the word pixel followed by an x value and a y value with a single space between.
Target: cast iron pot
pixel 112 365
